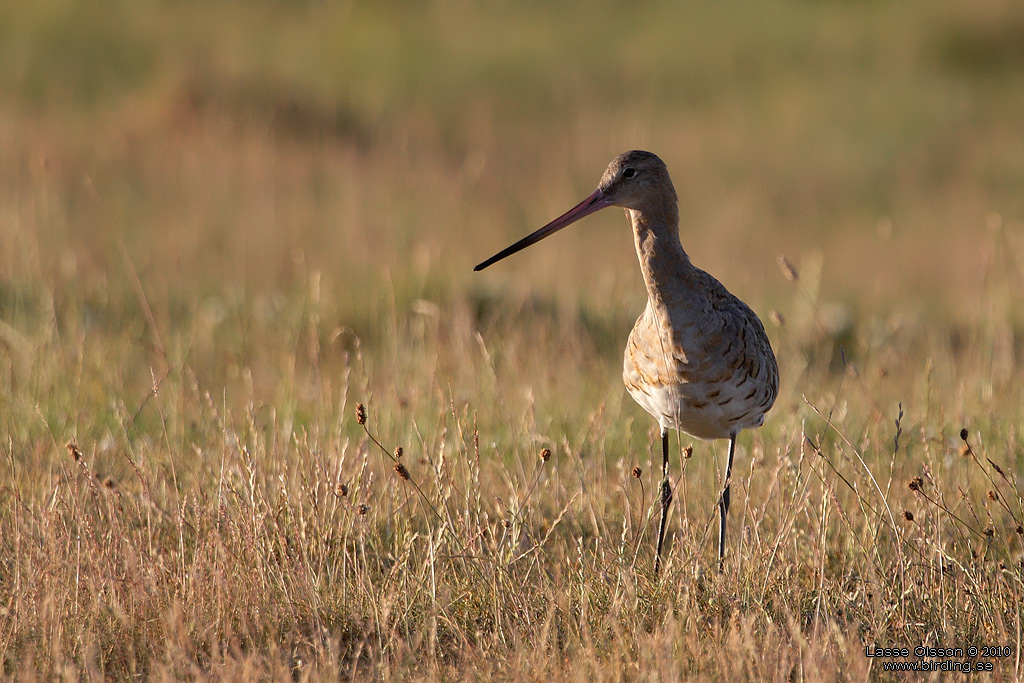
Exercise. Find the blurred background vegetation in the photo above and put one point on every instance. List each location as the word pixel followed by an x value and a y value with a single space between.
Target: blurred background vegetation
pixel 886 137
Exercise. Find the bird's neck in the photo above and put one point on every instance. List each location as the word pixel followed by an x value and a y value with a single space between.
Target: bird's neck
pixel 666 267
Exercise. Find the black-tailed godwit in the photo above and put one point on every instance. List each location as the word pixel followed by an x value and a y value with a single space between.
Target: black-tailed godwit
pixel 698 358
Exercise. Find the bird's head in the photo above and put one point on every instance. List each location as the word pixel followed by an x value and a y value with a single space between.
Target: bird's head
pixel 634 180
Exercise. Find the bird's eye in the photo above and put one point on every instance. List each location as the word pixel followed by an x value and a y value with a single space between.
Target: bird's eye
pixel 629 173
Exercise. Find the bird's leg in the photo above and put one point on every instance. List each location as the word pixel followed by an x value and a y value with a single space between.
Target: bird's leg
pixel 723 502
pixel 666 498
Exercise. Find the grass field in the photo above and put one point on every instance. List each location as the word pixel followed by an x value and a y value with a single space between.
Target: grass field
pixel 224 225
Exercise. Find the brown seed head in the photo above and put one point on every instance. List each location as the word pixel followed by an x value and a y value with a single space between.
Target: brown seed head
pixel 993 496
pixel 360 413
pixel 915 484
pixel 545 454
pixel 788 269
pixel 402 472
pixel 1020 530
pixel 362 508
pixel 963 434
pixel 688 452
pixel 109 483
pixel 507 524
pixel 908 515
pixel 989 531
pixel 73 451
pixel 399 452
pixel 340 489
pixel 637 471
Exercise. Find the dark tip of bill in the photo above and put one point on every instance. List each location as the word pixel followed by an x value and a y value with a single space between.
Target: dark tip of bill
pixel 483 264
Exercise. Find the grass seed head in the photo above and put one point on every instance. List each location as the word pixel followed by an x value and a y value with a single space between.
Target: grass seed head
pixel 688 452
pixel 362 508
pixel 637 471
pixel 1020 530
pixel 340 489
pixel 402 472
pixel 989 531
pixel 399 452
pixel 908 515
pixel 993 496
pixel 73 450
pixel 915 484
pixel 789 271
pixel 361 413
pixel 545 454
pixel 965 447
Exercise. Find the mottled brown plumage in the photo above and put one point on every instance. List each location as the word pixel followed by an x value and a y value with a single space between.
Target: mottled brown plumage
pixel 698 358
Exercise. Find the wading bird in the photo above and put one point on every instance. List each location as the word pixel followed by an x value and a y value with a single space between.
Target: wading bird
pixel 698 358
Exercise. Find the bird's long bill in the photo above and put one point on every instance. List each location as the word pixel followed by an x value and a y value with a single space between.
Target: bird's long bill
pixel 594 202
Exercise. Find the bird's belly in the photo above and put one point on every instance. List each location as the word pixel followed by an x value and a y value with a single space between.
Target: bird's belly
pixel 704 420
pixel 706 410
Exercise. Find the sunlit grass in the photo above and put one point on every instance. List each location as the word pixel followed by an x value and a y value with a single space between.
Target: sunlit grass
pixel 222 228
